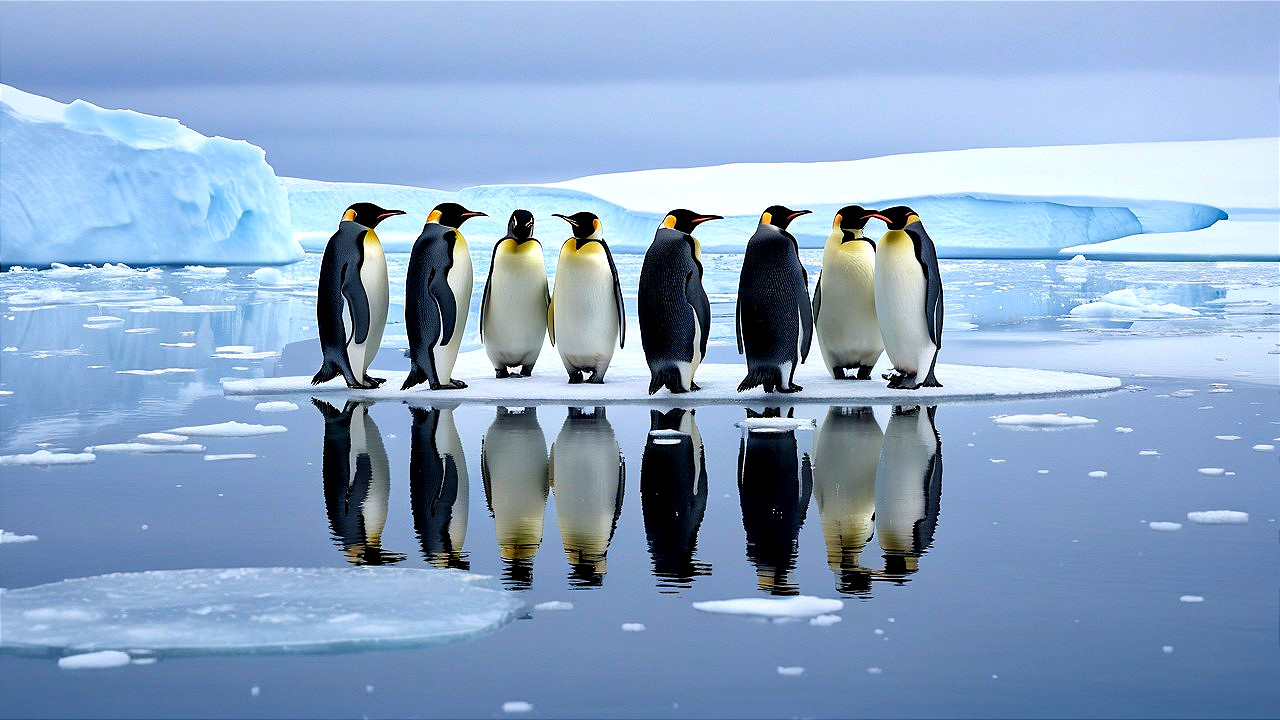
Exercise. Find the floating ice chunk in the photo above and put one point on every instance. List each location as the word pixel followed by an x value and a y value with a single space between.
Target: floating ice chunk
pixel 276 406
pixel 268 276
pixel 211 611
pixel 517 706
pixel 1099 474
pixel 143 661
pixel 633 627
pixel 800 606
pixel 94 660
pixel 134 447
pixel 1264 447
pixel 1212 472
pixel 1123 429
pixel 1125 304
pixel 1152 453
pixel 790 671
pixel 230 456
pixel 1218 517
pixel 255 691
pixel 44 457
pixel 776 424
pixel 1162 526
pixel 874 671
pixel 159 371
pixel 1191 599
pixel 1043 422
pixel 825 620
pixel 159 437
pixel 177 344
pixel 230 428
pixel 11 348
pixel 1226 437
pixel 8 537
pixel 553 605
pixel 202 270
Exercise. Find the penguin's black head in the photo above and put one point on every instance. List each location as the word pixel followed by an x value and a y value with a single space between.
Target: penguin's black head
pixel 368 214
pixel 852 217
pixel 780 216
pixel 686 220
pixel 896 217
pixel 451 214
pixel 586 226
pixel 520 226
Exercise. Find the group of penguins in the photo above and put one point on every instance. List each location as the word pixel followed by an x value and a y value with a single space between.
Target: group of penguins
pixel 878 297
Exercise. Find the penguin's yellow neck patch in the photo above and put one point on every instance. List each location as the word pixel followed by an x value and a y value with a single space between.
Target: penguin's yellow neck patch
pixel 349 215
pixel 434 217
pixel 913 218
pixel 766 219
pixel 835 224
pixel 669 221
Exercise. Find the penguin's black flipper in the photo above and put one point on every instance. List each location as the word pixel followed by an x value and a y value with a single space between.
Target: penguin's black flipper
pixel 697 298
pixel 806 320
pixel 617 296
pixel 488 281
pixel 928 257
pixel 357 299
pixel 737 323
pixel 817 298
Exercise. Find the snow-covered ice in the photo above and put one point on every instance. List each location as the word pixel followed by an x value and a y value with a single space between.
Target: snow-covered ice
pixel 1191 599
pixel 146 448
pixel 1226 437
pixel 553 605
pixel 1098 474
pixel 9 537
pixel 230 428
pixel 44 457
pixel 1218 517
pixel 517 706
pixel 800 606
pixel 276 406
pixel 175 195
pixel 790 670
pixel 160 437
pixel 245 610
pixel 1264 447
pixel 1124 430
pixel 230 456
pixel 633 627
pixel 1163 526
pixel 1211 471
pixel 94 660
pixel 1045 421
pixel 1126 305
pixel 825 620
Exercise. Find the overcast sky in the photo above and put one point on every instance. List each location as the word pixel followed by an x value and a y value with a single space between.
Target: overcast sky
pixel 455 94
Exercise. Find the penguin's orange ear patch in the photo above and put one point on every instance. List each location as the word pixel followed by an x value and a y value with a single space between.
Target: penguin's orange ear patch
pixel 595 225
pixel 349 215
pixel 669 221
pixel 766 219
pixel 434 216
pixel 836 222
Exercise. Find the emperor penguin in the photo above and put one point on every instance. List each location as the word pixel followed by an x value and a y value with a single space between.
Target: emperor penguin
pixel 586 303
pixel 513 310
pixel 908 298
pixel 846 450
pixel 674 312
pixel 673 496
pixel 774 316
pixel 357 482
pixel 351 300
pixel 587 475
pixel 438 487
pixel 438 297
pixel 848 333
pixel 513 464
pixel 774 487
pixel 908 488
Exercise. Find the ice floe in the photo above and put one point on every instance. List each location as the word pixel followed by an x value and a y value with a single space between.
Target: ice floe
pixel 8 537
pixel 1218 517
pixel 1264 447
pixel 94 660
pixel 1126 305
pixel 633 627
pixel 553 605
pixel 1211 471
pixel 44 457
pixel 1044 422
pixel 1162 526
pixel 230 456
pixel 230 428
pixel 776 424
pixel 825 620
pixel 276 406
pixel 790 670
pixel 254 610
pixel 1191 599
pixel 800 606
pixel 517 706
pixel 148 448
pixel 1098 474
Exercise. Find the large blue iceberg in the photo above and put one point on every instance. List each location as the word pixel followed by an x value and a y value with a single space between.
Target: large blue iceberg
pixel 80 184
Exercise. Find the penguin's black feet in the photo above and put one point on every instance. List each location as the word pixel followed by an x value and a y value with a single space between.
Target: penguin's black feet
pixel 371 381
pixel 931 381
pixel 456 385
pixel 792 388
pixel 864 372
pixel 355 385
pixel 526 370
pixel 501 373
pixel 575 377
pixel 596 379
pixel 694 386
pixel 895 378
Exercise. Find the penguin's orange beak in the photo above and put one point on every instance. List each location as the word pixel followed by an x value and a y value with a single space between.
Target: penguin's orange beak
pixel 875 215
pixel 706 218
pixel 797 214
pixel 474 213
pixel 562 217
pixel 389 213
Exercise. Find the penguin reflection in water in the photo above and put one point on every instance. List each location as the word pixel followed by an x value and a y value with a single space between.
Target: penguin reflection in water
pixel 908 298
pixel 438 487
pixel 774 486
pixel 673 496
pixel 846 450
pixel 848 332
pixel 774 316
pixel 351 301
pixel 586 315
pixel 357 482
pixel 587 477
pixel 513 310
pixel 513 463
pixel 674 312
pixel 908 488
pixel 438 297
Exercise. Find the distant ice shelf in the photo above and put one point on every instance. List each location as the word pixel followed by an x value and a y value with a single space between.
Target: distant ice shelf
pixel 253 610
pixel 627 381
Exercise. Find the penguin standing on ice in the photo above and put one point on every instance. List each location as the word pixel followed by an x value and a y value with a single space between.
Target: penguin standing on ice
pixel 848 332
pixel 674 312
pixel 908 298
pixel 774 316
pixel 586 304
pixel 513 310
pixel 351 301
pixel 438 297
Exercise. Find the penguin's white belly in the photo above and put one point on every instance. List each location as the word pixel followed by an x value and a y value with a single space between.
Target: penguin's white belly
pixel 367 440
pixel 373 276
pixel 848 330
pixel 586 314
pixel 585 472
pixel 900 480
pixel 516 317
pixel 844 484
pixel 460 280
pixel 448 444
pixel 517 482
pixel 899 295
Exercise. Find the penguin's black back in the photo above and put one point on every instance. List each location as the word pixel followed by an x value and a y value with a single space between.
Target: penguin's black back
pixel 433 485
pixel 343 255
pixel 430 307
pixel 669 295
pixel 773 299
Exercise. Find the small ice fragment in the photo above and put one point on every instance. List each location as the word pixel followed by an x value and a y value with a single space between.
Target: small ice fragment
pixel 1161 526
pixel 231 428
pixel 44 457
pixel 1226 437
pixel 1264 447
pixel 633 627
pixel 143 661
pixel 145 448
pixel 160 437
pixel 891 620
pixel 516 706
pixel 8 537
pixel 878 631
pixel 255 691
pixel 1218 517
pixel 1167 649
pixel 996 461
pixel 94 660
pixel 11 349
pixel 554 605
pixel 800 606
pixel 874 671
pixel 1212 472
pixel 1149 452
pixel 1191 599
pixel 276 406
pixel 776 423
pixel 790 671
pixel 1123 429
pixel 1043 472
pixel 368 689
pixel 1099 474
pixel 1058 420
pixel 825 620
pixel 230 456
